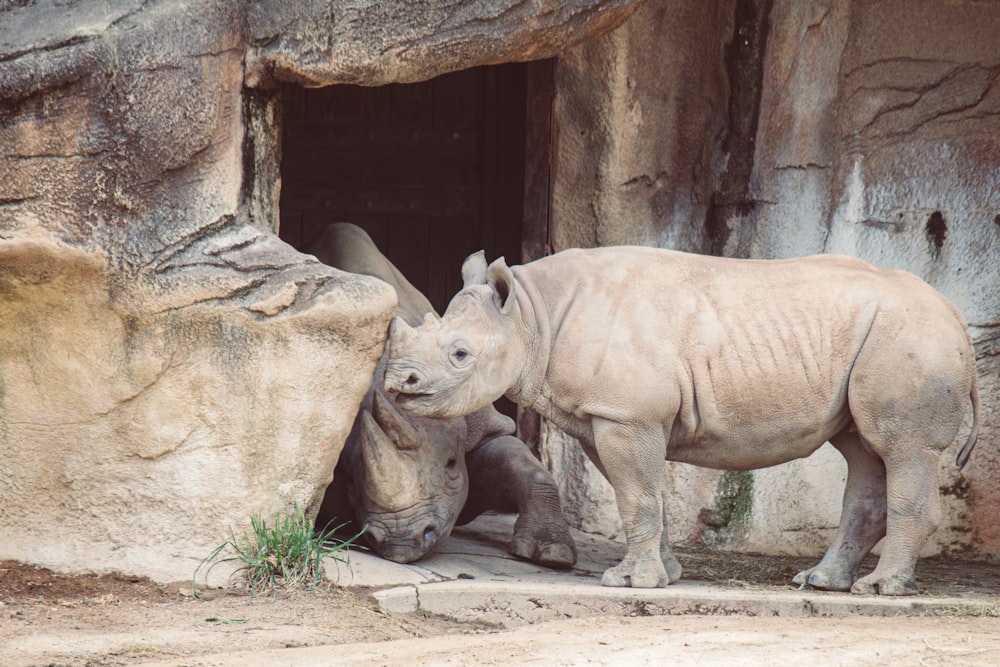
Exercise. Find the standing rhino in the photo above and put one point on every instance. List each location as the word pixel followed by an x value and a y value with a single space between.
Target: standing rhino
pixel 410 479
pixel 646 354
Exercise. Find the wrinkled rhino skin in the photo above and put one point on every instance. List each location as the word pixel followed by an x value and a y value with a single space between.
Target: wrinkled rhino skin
pixel 411 480
pixel 646 354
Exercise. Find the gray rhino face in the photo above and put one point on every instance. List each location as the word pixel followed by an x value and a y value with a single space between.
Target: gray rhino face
pixel 413 483
pixel 454 365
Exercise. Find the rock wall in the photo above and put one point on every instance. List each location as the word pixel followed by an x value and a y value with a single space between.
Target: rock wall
pixel 776 128
pixel 168 367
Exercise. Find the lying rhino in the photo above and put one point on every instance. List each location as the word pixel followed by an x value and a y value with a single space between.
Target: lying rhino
pixel 410 480
pixel 646 354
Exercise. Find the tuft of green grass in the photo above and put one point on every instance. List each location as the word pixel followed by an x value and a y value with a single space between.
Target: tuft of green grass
pixel 287 554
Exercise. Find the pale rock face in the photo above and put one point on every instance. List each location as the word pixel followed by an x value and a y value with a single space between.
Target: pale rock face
pixel 168 367
pixel 134 440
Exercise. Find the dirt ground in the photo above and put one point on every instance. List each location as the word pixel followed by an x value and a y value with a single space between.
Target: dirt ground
pixel 52 619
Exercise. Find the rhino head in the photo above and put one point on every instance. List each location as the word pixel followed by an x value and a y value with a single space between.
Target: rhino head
pixel 412 483
pixel 463 361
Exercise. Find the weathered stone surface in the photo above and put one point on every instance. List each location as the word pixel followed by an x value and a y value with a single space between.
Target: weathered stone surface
pixel 815 133
pixel 133 441
pixel 167 366
pixel 374 42
pixel 634 112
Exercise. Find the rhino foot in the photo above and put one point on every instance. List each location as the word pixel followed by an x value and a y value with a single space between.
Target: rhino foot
pixel 895 585
pixel 672 567
pixel 645 571
pixel 824 579
pixel 545 544
pixel 555 554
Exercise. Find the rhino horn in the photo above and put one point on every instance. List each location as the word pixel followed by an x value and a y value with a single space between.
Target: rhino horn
pixel 384 465
pixel 397 427
pixel 399 331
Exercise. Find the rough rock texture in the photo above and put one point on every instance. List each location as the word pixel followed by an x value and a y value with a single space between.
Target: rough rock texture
pixel 167 366
pixel 373 42
pixel 792 128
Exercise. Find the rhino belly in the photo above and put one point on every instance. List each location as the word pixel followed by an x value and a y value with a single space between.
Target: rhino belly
pixel 759 419
pixel 753 446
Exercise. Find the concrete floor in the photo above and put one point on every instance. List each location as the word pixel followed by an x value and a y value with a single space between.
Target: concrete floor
pixel 472 577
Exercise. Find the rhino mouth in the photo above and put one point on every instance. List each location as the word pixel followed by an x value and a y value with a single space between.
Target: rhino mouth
pixel 407 546
pixel 404 397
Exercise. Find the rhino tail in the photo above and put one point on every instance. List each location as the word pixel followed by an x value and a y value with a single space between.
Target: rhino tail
pixel 970 443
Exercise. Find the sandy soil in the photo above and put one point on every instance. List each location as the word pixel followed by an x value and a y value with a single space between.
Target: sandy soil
pixel 51 619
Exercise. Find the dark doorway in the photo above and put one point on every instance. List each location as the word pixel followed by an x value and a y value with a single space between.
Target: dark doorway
pixel 433 171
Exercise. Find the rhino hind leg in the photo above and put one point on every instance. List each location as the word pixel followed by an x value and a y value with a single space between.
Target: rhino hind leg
pixel 914 511
pixel 670 563
pixel 862 522
pixel 505 476
pixel 908 424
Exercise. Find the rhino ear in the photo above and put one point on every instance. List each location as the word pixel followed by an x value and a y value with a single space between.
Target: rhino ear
pixel 501 279
pixel 474 269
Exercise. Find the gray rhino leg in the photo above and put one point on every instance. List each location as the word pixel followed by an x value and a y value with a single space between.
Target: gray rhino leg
pixel 671 565
pixel 908 409
pixel 862 519
pixel 632 458
pixel 914 511
pixel 505 476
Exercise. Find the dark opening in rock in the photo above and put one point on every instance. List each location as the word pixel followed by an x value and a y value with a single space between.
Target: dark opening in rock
pixel 937 229
pixel 433 171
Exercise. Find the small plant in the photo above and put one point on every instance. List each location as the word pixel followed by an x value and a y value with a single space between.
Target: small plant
pixel 288 554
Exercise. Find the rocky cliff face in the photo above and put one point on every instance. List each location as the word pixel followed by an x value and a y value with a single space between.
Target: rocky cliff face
pixel 167 366
pixel 773 128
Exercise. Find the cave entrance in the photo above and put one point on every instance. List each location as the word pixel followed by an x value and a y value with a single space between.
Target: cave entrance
pixel 433 171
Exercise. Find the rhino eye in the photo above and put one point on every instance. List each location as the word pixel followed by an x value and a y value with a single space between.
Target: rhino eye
pixel 460 355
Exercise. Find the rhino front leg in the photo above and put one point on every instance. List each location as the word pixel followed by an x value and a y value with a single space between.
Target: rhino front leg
pixel 505 476
pixel 632 458
pixel 862 519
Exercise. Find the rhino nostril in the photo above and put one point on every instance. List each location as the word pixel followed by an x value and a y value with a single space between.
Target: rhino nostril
pixel 412 380
pixel 430 535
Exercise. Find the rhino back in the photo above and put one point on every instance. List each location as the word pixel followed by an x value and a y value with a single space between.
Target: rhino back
pixel 716 349
pixel 349 248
